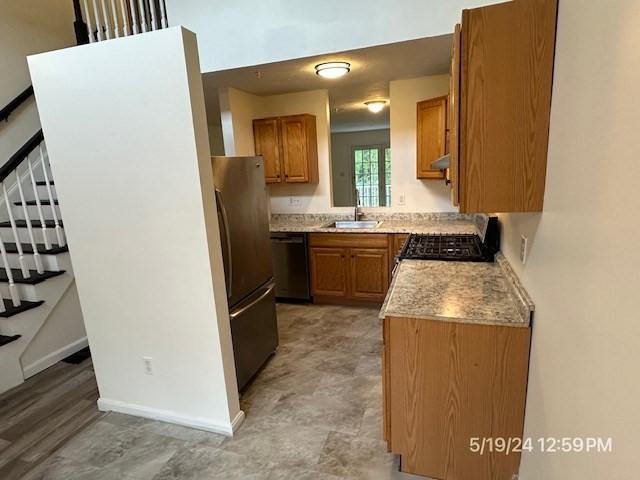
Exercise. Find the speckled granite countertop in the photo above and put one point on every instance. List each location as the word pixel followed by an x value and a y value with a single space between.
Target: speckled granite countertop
pixel 466 292
pixel 391 223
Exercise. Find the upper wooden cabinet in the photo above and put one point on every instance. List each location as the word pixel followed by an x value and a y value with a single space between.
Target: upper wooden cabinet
pixel 506 64
pixel 431 129
pixel 289 148
pixel 266 136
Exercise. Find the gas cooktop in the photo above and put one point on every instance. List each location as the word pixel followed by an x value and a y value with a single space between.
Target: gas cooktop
pixel 461 247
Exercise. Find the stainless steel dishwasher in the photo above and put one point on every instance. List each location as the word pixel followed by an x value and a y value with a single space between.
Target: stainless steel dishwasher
pixel 291 266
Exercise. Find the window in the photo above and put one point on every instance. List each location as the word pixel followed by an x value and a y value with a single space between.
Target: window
pixel 372 175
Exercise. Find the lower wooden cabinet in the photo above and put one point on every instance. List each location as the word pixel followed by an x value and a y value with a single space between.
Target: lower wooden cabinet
pixel 369 273
pixel 329 271
pixel 445 384
pixel 349 266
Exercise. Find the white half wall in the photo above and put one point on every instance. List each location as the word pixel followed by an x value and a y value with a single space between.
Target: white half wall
pixel 131 161
pixel 583 262
pixel 27 27
pixel 420 195
pixel 246 32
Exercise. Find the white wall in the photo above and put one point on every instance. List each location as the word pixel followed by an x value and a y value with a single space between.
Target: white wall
pixel 27 27
pixel 342 145
pixel 421 195
pixel 307 198
pixel 131 185
pixel 582 270
pixel 246 32
pixel 238 109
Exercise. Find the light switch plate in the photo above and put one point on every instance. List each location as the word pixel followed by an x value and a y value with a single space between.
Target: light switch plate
pixel 294 201
pixel 402 199
pixel 523 249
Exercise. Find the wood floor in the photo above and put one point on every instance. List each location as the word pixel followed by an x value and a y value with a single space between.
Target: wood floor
pixel 39 416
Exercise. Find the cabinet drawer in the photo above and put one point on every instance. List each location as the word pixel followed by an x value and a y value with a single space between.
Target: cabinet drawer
pixel 356 240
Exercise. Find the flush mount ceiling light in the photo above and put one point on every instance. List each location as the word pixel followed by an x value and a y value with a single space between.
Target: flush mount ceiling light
pixel 375 106
pixel 333 69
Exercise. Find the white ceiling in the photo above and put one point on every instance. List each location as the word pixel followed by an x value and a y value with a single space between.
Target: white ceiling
pixel 371 70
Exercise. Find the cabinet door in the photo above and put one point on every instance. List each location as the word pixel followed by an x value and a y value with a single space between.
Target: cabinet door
pixel 295 149
pixel 454 116
pixel 266 138
pixel 506 86
pixel 328 271
pixel 369 273
pixel 431 133
pixel 398 242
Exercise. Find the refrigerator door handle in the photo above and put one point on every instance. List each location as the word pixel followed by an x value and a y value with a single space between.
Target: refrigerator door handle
pixel 227 240
pixel 241 310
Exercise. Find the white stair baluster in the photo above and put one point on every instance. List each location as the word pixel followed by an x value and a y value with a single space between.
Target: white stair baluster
pixel 143 16
pixel 105 15
pixel 32 238
pixel 59 232
pixel 134 18
pixel 14 230
pixel 125 18
pixel 116 24
pixel 13 291
pixel 154 24
pixel 163 13
pixel 96 16
pixel 87 15
pixel 45 233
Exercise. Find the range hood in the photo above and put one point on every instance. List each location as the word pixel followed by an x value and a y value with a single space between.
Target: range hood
pixel 442 163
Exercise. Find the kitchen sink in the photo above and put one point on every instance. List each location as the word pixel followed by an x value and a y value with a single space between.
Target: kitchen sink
pixel 346 224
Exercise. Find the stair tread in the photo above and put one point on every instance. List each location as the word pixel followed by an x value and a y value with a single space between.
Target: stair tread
pixel 27 248
pixel 34 224
pixel 33 202
pixel 25 305
pixel 42 183
pixel 34 279
pixel 5 339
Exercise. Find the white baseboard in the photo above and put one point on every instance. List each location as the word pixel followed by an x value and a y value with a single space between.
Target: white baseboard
pixel 54 357
pixel 237 421
pixel 199 423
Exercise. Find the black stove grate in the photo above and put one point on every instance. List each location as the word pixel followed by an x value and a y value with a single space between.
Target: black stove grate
pixel 463 247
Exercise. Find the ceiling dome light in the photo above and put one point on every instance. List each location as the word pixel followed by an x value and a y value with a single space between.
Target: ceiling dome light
pixel 375 106
pixel 333 69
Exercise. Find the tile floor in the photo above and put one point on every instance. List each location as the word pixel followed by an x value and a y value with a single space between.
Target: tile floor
pixel 314 412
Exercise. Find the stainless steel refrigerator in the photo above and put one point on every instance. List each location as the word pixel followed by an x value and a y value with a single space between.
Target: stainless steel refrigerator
pixel 243 216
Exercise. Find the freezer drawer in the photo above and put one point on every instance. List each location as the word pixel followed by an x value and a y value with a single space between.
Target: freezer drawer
pixel 290 265
pixel 254 331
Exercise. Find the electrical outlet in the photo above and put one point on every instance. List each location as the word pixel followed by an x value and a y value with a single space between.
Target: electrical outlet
pixel 294 201
pixel 402 199
pixel 148 365
pixel 523 249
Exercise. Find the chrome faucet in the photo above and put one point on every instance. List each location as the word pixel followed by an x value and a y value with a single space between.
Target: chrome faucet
pixel 356 213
